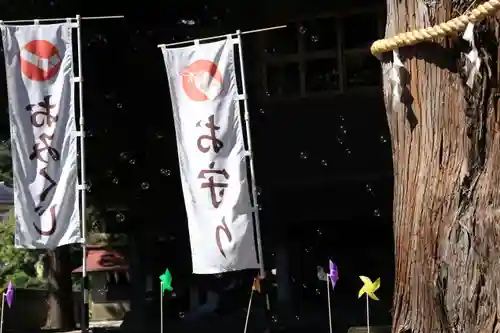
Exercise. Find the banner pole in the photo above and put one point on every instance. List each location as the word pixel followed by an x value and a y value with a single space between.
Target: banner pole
pixel 252 172
pixel 250 158
pixel 221 36
pixel 52 20
pixel 84 320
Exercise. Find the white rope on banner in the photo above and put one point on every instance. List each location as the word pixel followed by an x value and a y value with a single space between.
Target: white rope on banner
pixel 222 36
pixel 37 21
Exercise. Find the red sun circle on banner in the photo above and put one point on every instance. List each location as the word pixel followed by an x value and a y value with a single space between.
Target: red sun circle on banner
pixel 40 60
pixel 202 81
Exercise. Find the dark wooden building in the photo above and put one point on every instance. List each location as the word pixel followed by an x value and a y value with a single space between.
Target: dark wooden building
pixel 322 158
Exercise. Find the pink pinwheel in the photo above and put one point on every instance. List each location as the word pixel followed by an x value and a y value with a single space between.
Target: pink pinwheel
pixel 9 294
pixel 334 274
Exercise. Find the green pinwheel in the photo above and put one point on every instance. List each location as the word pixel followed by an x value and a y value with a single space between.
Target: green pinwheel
pixel 166 282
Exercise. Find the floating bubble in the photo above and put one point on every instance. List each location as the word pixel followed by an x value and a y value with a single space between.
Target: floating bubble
pixel 303 155
pixel 132 161
pixel 383 139
pixel 261 111
pixel 102 291
pixel 302 29
pixel 116 180
pixel 324 163
pixel 120 217
pixel 119 105
pixel 144 185
pixel 124 156
pixel 165 172
pixel 376 212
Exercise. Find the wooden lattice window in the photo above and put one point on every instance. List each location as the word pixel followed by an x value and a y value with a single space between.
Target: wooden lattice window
pixel 323 55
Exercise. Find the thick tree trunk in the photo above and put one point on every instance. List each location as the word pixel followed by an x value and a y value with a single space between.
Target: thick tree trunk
pixel 446 153
pixel 61 310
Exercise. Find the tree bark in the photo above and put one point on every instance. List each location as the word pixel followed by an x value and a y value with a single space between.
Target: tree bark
pixel 61 308
pixel 446 155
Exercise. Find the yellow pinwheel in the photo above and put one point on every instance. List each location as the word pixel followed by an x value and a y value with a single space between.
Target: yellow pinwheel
pixel 369 288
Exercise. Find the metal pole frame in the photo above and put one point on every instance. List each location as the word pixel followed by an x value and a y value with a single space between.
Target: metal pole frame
pixel 84 318
pixel 70 19
pixel 82 187
pixel 206 39
pixel 255 212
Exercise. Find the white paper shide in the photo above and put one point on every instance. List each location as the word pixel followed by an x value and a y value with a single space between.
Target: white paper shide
pixel 212 160
pixel 39 68
pixel 473 62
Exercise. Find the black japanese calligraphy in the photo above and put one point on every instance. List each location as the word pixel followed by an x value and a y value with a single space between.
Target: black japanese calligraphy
pixel 222 227
pixel 42 116
pixel 52 184
pixel 53 225
pixel 42 146
pixel 211 184
pixel 214 143
pixel 41 113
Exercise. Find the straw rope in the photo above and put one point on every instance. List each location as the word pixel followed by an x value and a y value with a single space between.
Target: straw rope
pixel 455 25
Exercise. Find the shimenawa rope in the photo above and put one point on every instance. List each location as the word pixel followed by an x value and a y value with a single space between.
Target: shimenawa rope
pixel 455 25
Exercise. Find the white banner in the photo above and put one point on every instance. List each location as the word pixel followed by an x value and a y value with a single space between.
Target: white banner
pixel 212 160
pixel 39 67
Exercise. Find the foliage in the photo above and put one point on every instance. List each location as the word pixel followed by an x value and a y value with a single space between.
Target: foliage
pixel 18 265
pixel 5 163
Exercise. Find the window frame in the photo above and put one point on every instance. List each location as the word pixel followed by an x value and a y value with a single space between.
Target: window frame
pixel 302 56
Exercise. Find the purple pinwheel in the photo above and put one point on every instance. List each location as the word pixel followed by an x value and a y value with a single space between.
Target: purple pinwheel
pixel 334 274
pixel 9 294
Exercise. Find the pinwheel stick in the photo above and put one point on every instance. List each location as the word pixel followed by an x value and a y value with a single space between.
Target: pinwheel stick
pixel 1 313
pixel 367 313
pixel 329 303
pixel 248 311
pixel 161 307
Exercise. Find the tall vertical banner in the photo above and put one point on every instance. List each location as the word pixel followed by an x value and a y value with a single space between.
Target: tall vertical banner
pixel 39 68
pixel 211 150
